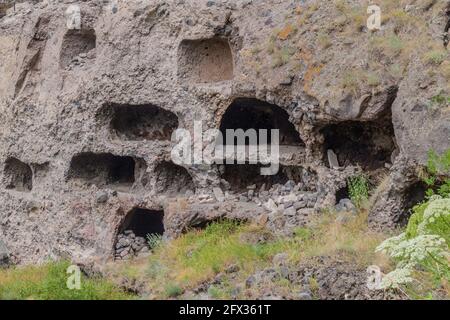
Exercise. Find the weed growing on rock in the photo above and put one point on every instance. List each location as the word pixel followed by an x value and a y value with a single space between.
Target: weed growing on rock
pixel 173 290
pixel 358 188
pixel 435 57
pixel 154 240
pixel 437 173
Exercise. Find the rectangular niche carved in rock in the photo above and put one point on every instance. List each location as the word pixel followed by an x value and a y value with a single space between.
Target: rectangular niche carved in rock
pixel 140 122
pixel 103 170
pixel 240 176
pixel 17 175
pixel 367 144
pixel 75 47
pixel 205 60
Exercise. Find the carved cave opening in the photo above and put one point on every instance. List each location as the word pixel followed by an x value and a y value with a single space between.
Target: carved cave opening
pixel 103 169
pixel 205 60
pixel 17 175
pixel 139 228
pixel 172 179
pixel 141 122
pixel 367 144
pixel 249 113
pixel 76 43
pixel 240 176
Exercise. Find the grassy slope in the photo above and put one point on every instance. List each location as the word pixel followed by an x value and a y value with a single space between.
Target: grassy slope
pixel 178 266
pixel 197 257
pixel 48 282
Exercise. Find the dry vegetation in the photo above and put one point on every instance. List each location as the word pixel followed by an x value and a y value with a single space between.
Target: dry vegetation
pixel 197 257
pixel 405 37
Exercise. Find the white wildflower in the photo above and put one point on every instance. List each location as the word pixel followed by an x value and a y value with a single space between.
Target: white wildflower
pixel 391 244
pixel 436 210
pixel 395 278
pixel 411 252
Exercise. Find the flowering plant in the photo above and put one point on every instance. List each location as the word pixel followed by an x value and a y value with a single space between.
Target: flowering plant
pixel 424 245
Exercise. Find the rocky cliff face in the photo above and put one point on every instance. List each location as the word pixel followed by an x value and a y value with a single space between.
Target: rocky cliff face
pixel 87 115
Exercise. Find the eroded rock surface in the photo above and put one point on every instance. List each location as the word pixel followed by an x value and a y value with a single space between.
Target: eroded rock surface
pixel 86 115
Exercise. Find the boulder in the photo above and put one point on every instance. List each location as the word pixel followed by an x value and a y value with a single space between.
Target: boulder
pixel 218 193
pixel 73 16
pixel 332 159
pixel 346 205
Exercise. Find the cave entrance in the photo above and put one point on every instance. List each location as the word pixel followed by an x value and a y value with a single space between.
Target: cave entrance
pixel 172 179
pixel 342 194
pixel 413 195
pixel 367 144
pixel 249 113
pixel 141 122
pixel 205 60
pixel 240 176
pixel 17 175
pixel 103 169
pixel 139 230
pixel 76 43
pixel 144 222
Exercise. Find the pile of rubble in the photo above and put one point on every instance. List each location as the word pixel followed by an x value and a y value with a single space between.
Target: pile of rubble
pixel 286 205
pixel 129 245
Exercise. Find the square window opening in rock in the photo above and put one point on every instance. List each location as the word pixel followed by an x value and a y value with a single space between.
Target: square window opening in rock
pixel 75 45
pixel 205 60
pixel 103 169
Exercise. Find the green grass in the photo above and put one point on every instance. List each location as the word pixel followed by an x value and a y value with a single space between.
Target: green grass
pixel 199 255
pixel 180 265
pixel 49 282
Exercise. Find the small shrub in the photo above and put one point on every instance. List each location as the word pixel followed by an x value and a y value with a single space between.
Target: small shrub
pixel 255 50
pixel 214 292
pixel 324 40
pixel 351 81
pixel 396 71
pixel 342 6
pixel 373 79
pixel 358 188
pixel 402 19
pixel 437 173
pixel 438 164
pixel 282 56
pixel 440 100
pixel 435 57
pixel 173 290
pixel 396 44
